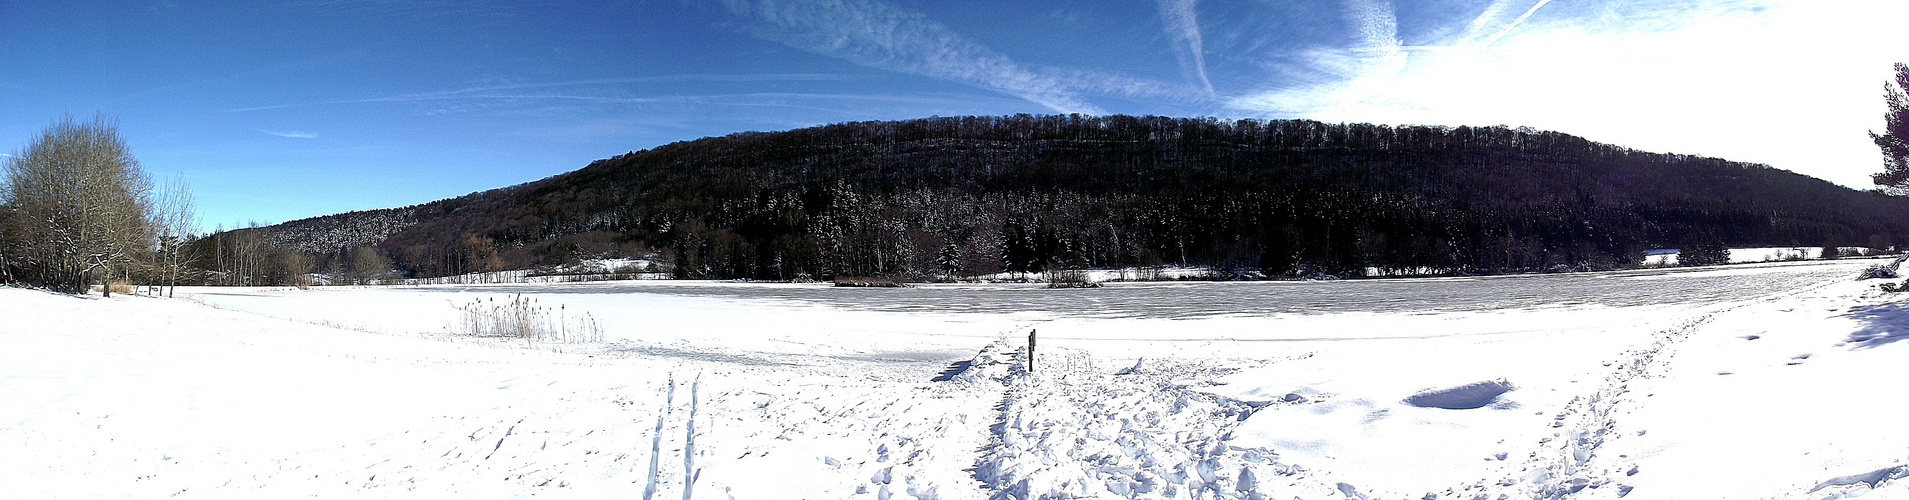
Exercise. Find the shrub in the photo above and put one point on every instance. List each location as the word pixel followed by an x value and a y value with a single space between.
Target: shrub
pixel 869 282
pixel 1070 278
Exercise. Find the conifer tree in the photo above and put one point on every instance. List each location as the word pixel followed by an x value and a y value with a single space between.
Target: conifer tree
pixel 1894 140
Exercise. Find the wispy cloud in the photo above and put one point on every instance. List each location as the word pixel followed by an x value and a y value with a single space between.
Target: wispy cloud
pixel 1376 23
pixel 291 135
pixel 512 91
pixel 279 68
pixel 1112 84
pixel 1350 75
pixel 1479 26
pixel 1515 22
pixel 432 8
pixel 880 35
pixel 515 100
pixel 1183 26
pixel 23 88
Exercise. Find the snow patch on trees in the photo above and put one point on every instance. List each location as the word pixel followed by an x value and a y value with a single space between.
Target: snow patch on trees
pixel 333 234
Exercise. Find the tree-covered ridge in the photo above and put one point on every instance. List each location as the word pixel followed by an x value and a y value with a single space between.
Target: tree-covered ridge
pixel 977 195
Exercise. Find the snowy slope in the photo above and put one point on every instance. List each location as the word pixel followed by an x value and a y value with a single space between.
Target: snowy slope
pixel 1763 381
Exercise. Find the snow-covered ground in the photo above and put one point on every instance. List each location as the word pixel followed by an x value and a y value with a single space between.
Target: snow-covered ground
pixel 1751 381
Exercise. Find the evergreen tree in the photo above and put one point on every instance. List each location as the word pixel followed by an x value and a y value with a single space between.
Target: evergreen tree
pixel 1707 252
pixel 1894 140
pixel 949 260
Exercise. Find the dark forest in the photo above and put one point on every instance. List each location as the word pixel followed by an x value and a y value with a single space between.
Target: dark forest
pixel 950 197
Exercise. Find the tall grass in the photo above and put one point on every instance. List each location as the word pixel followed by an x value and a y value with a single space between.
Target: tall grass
pixel 523 318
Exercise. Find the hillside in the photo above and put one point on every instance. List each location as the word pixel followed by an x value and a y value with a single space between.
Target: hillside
pixel 978 195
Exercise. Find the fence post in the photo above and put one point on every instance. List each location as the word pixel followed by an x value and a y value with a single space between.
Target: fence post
pixel 1030 351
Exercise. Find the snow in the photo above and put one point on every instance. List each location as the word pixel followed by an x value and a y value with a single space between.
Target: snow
pixel 1668 256
pixel 1752 381
pixel 1773 254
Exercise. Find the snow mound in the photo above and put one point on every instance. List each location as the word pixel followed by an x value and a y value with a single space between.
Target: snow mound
pixel 1131 436
pixel 1858 484
pixel 998 363
pixel 1464 397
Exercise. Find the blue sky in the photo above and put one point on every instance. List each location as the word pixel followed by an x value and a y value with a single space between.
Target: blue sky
pixel 280 110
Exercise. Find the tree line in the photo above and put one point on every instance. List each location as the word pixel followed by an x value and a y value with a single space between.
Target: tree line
pixel 939 197
pixel 949 197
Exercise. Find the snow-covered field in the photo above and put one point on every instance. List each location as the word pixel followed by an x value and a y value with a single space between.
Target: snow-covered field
pixel 1751 381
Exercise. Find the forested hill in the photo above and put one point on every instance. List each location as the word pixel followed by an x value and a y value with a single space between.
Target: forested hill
pixel 979 195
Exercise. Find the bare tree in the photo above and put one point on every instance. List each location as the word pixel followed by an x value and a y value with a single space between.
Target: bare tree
pixel 80 204
pixel 176 224
pixel 7 239
pixel 367 266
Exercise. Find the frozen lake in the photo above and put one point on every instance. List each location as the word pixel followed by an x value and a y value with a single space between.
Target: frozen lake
pixel 1258 298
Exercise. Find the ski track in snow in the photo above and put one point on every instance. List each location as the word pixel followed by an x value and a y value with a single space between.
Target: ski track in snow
pixel 818 421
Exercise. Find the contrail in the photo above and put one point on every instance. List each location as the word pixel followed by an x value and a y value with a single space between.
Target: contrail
pixel 1183 25
pixel 1478 25
pixel 879 34
pixel 1514 22
pixel 292 135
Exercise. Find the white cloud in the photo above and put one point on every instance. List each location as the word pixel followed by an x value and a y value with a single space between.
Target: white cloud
pixel 876 34
pixel 292 135
pixel 1183 26
pixel 1792 83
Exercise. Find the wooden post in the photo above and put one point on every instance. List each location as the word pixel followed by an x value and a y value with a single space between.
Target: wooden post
pixel 1030 351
